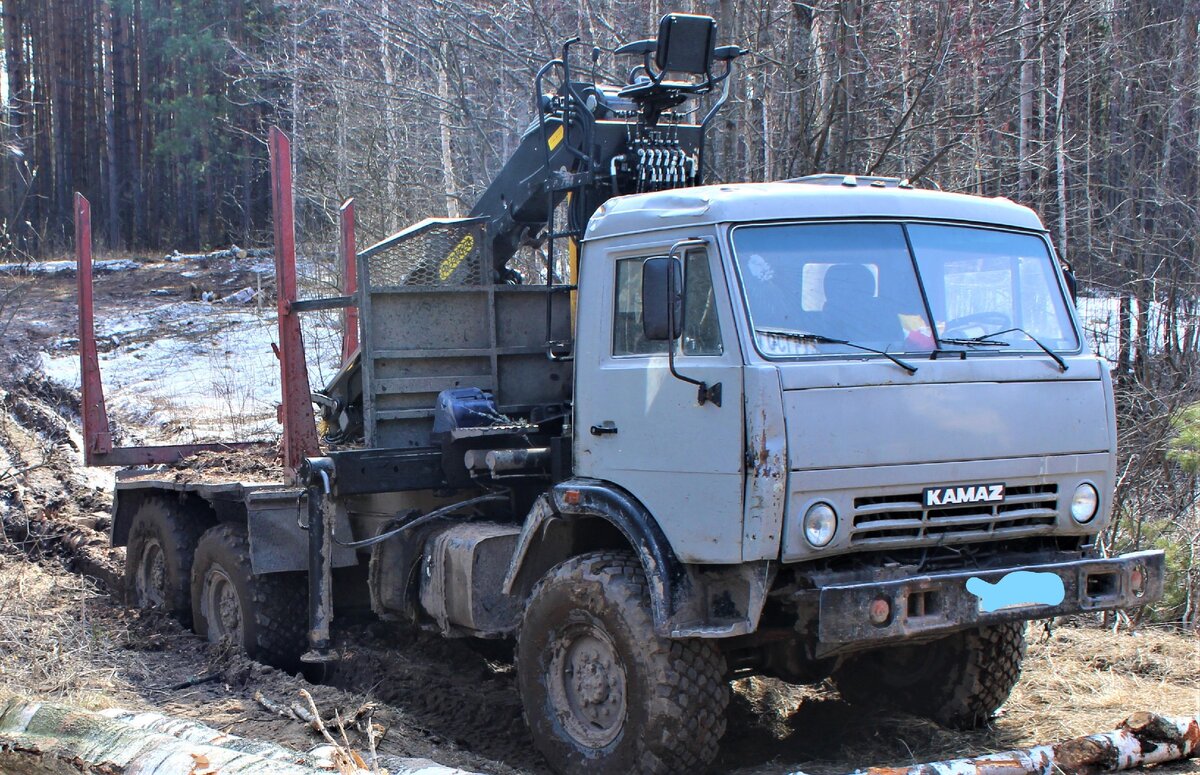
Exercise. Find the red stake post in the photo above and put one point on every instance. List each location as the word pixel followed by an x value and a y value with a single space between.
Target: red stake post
pixel 348 253
pixel 299 426
pixel 97 438
pixel 98 449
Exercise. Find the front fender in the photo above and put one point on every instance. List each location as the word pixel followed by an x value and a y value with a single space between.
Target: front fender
pixel 567 502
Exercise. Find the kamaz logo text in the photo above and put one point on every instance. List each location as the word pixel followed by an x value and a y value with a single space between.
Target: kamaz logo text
pixel 972 493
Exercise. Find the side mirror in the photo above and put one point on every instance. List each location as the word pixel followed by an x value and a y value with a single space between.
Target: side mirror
pixel 662 302
pixel 685 44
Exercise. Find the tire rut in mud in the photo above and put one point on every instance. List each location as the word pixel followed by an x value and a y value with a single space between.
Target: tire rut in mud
pixel 451 690
pixel 45 507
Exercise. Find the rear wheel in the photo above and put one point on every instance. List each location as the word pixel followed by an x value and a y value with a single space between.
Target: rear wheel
pixel 158 558
pixel 602 692
pixel 960 681
pixel 264 616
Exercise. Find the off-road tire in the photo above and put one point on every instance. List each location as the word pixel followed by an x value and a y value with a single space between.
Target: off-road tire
pixel 158 558
pixel 959 681
pixel 671 714
pixel 271 610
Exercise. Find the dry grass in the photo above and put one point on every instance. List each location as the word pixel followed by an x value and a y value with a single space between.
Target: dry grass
pixel 51 645
pixel 1086 680
pixel 1075 682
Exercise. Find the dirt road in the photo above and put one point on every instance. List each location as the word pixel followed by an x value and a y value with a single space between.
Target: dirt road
pixel 64 636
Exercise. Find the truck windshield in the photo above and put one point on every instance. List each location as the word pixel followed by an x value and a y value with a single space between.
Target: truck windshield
pixel 994 284
pixel 859 282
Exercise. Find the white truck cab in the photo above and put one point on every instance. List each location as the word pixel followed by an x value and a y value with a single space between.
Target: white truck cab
pixel 908 360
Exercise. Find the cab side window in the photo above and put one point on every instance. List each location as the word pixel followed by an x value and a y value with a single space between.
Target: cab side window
pixel 701 331
pixel 629 338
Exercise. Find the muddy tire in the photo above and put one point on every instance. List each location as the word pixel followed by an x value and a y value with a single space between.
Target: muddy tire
pixel 264 616
pixel 959 681
pixel 158 558
pixel 602 692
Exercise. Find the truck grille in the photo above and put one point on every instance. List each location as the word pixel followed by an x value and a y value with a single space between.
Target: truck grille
pixel 903 519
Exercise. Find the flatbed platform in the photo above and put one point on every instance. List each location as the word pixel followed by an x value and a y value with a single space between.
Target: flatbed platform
pixel 254 468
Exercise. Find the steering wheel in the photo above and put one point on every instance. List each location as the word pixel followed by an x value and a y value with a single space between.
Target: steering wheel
pixel 989 321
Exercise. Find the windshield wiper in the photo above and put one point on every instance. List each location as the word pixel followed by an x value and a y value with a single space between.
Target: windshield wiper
pixel 804 336
pixel 971 342
pixel 983 339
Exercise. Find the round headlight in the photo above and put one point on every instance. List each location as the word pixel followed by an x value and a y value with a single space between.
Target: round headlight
pixel 820 523
pixel 1084 503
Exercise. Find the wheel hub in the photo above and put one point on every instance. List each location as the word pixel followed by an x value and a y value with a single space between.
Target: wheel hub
pixel 223 608
pixel 151 578
pixel 592 680
pixel 588 685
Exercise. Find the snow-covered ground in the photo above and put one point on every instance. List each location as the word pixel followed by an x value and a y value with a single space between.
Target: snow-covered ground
pixel 67 267
pixel 1100 317
pixel 196 369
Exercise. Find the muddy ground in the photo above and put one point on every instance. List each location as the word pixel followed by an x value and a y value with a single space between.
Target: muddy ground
pixel 64 634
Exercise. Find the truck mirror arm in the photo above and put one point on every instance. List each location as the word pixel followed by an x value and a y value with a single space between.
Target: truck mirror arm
pixel 705 393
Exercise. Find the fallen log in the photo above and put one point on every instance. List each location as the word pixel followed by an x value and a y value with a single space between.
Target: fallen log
pixel 49 738
pixel 1140 740
pixel 233 252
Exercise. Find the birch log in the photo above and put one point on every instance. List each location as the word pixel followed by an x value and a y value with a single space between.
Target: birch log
pixel 1140 740
pixel 40 738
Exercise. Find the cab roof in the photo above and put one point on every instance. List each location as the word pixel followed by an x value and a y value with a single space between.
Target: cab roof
pixel 801 199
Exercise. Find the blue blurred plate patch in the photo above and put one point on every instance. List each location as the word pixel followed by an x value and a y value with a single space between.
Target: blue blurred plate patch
pixel 1018 589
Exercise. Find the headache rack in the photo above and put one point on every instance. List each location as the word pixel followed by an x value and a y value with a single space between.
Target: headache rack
pixel 433 320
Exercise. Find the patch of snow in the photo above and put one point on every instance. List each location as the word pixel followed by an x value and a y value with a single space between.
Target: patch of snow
pixel 1100 317
pixel 49 268
pixel 194 369
pixel 266 267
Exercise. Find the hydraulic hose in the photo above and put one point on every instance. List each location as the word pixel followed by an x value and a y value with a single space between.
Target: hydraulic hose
pixel 444 511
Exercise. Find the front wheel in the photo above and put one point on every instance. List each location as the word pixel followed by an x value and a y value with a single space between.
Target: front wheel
pixel 960 680
pixel 602 692
pixel 264 616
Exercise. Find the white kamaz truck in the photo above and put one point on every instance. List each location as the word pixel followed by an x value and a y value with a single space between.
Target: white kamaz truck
pixel 828 427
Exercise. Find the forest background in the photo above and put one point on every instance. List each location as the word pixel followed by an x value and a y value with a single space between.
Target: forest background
pixel 1086 110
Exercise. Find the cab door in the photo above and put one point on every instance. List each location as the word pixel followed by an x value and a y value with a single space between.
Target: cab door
pixel 640 427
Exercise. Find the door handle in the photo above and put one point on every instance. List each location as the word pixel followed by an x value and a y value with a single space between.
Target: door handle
pixel 604 429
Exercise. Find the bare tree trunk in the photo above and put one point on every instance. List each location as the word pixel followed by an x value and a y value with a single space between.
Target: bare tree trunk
pixel 15 110
pixel 823 68
pixel 113 206
pixel 1060 142
pixel 449 180
pixel 391 174
pixel 1124 336
pixel 976 96
pixel 1025 122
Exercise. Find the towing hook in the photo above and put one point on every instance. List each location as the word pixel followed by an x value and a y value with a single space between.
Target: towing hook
pixel 317 471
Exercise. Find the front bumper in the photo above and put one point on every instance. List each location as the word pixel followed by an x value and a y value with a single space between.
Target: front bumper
pixel 941 603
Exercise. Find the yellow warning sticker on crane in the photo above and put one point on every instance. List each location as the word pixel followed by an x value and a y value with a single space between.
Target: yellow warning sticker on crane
pixel 452 261
pixel 556 137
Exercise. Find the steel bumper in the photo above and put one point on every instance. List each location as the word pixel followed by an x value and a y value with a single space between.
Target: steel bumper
pixel 941 603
